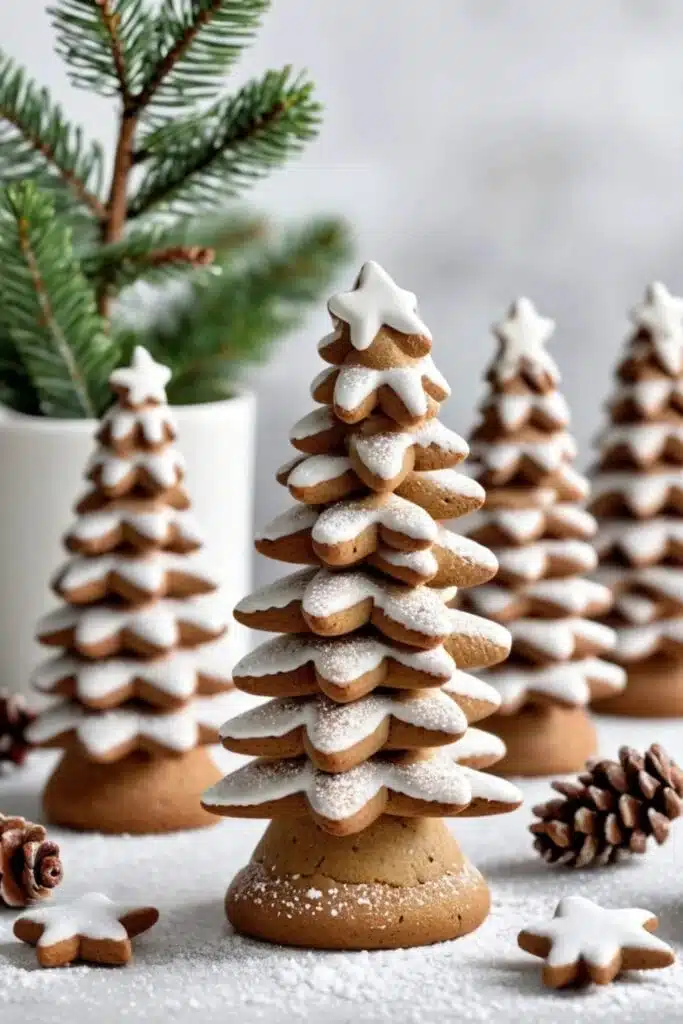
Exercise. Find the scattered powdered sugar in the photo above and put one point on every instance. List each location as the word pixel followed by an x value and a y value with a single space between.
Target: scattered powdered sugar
pixel 345 520
pixel 354 384
pixel 383 453
pixel 567 683
pixel 293 520
pixel 557 638
pixel 476 743
pixel 193 968
pixel 315 422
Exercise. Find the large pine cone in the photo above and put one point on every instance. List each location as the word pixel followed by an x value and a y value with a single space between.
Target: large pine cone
pixel 30 867
pixel 613 809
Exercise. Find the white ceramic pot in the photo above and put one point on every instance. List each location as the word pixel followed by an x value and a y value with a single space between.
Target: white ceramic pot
pixel 42 463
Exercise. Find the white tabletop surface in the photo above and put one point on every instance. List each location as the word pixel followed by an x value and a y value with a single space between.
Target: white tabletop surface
pixel 191 967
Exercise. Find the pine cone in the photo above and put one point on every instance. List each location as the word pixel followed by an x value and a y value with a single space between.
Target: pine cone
pixel 29 863
pixel 613 809
pixel 15 718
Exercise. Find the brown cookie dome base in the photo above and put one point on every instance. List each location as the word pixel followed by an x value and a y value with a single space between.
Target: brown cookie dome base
pixel 402 882
pixel 138 794
pixel 654 689
pixel 544 740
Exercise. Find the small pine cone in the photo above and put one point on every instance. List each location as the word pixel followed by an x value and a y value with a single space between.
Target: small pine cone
pixel 613 808
pixel 15 719
pixel 30 867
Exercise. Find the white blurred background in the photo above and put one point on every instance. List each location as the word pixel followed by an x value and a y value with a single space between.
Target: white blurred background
pixel 480 148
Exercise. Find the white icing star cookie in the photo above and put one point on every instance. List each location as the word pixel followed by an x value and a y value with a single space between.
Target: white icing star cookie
pixel 523 335
pixel 376 300
pixel 92 928
pixel 661 315
pixel 585 942
pixel 144 380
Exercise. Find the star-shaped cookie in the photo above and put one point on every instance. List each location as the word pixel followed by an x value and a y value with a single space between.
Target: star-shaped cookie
pixel 92 928
pixel 144 380
pixel 523 335
pixel 585 942
pixel 376 300
pixel 661 315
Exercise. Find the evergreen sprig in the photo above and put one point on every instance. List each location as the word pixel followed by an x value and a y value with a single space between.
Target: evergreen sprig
pixel 47 309
pixel 191 162
pixel 73 245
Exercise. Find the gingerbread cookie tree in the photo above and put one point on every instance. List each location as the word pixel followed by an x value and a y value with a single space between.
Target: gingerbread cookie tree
pixel 354 762
pixel 136 703
pixel 541 538
pixel 638 501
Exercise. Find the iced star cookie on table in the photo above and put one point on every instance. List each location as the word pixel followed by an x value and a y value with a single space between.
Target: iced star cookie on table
pixel 585 942
pixel 638 502
pixel 92 928
pixel 543 593
pixel 139 670
pixel 367 740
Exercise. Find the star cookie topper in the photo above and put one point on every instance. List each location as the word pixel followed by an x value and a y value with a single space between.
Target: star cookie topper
pixel 523 335
pixel 376 300
pixel 661 316
pixel 144 380
pixel 91 927
pixel 585 942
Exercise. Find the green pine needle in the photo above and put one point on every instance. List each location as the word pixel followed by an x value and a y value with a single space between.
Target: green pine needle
pixel 47 309
pixel 37 142
pixel 200 161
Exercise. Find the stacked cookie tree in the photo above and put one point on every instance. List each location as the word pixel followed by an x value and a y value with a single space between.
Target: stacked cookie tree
pixel 365 744
pixel 135 704
pixel 541 538
pixel 638 500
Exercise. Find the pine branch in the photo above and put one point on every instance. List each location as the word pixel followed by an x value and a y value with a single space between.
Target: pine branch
pixel 200 161
pixel 155 253
pixel 106 44
pixel 47 308
pixel 36 141
pixel 259 300
pixel 199 41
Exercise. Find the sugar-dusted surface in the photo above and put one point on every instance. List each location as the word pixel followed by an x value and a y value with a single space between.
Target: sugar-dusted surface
pixel 191 968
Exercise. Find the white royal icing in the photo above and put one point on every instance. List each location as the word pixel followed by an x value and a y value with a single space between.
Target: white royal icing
pixel 661 316
pixel 314 423
pixel 548 455
pixel 383 453
pixel 376 300
pixel 643 493
pixel 146 573
pixel 345 520
pixel 313 470
pixel 574 595
pixel 340 660
pixel 649 396
pixel 636 642
pixel 144 380
pixel 296 519
pixel 354 384
pixel 557 638
pixel 645 441
pixel 514 410
pixel 158 525
pixel 567 683
pixel 155 423
pixel 660 580
pixel 332 727
pixel 175 674
pixel 475 744
pixel 100 732
pixel 157 624
pixel 336 797
pixel 532 562
pixel 523 335
pixel 164 467
pixel 91 915
pixel 639 540
pixel 582 930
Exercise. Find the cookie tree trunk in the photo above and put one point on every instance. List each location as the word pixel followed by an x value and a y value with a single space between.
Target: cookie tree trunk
pixel 638 501
pixel 134 675
pixel 367 743
pixel 541 538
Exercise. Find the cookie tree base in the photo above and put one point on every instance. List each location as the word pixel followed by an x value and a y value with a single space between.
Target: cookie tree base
pixel 402 882
pixel 654 689
pixel 548 740
pixel 137 794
